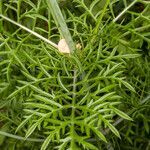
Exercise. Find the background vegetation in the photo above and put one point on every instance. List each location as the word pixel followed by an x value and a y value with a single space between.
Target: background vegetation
pixel 96 97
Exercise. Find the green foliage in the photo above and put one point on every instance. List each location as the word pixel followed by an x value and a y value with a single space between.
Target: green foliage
pixel 51 100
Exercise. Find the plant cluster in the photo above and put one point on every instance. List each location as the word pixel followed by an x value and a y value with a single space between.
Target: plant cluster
pixel 97 97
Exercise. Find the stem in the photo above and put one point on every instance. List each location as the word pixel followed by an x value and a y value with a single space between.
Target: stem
pixel 124 11
pixel 30 31
pixel 73 109
pixel 20 137
pixel 1 22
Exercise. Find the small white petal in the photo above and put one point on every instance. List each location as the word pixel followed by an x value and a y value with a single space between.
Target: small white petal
pixel 63 46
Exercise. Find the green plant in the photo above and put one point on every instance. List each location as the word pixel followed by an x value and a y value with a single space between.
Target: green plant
pixel 72 101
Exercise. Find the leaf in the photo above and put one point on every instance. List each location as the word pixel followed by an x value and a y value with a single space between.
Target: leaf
pixel 128 86
pixel 38 90
pixel 146 125
pixel 4 129
pixel 37 16
pixel 128 56
pixel 101 99
pixel 93 4
pixel 88 145
pixel 4 53
pixel 99 134
pixel 37 105
pixel 46 100
pixel 89 118
pixel 60 22
pixel 31 129
pixel 99 20
pixel 23 123
pixel 84 99
pixel 62 146
pixel 3 86
pixel 46 142
pixel 64 141
pixel 17 91
pixel 109 70
pixel 61 84
pixel 27 75
pixel 30 3
pixel 104 89
pixel 112 128
pixel 43 69
pixel 64 63
pixel 120 113
pixel 99 106
pixel 4 62
pixel 35 112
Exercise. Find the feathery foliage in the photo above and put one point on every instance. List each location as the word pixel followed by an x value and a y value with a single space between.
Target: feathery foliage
pixel 72 101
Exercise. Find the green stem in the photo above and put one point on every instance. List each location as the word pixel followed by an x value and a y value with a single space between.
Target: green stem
pixel 125 10
pixel 1 22
pixel 30 31
pixel 73 110
pixel 20 137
